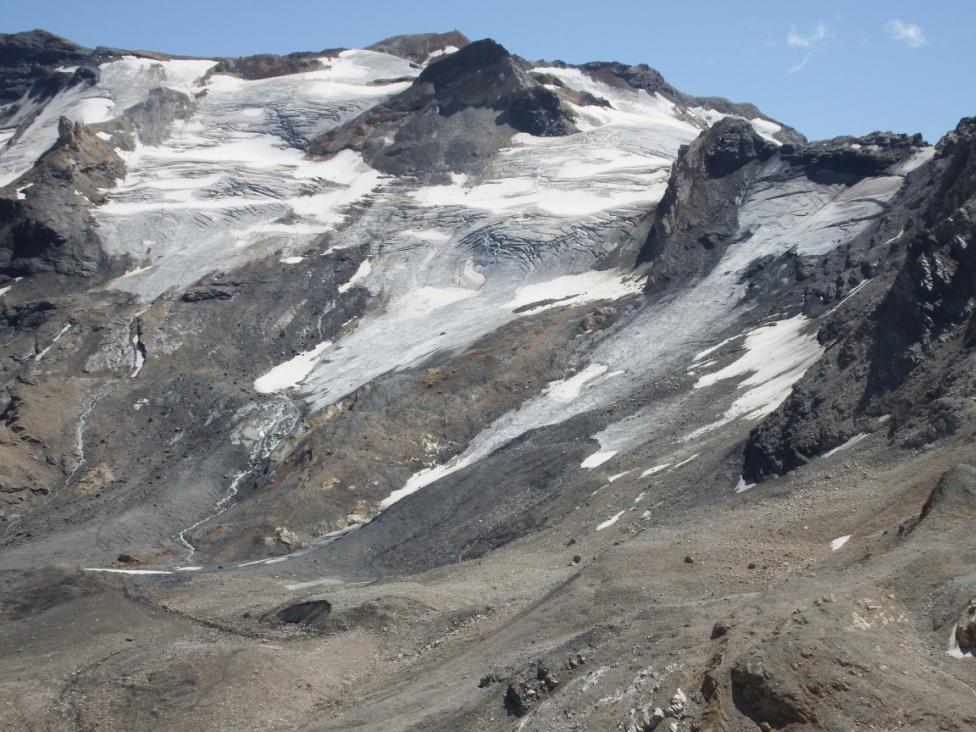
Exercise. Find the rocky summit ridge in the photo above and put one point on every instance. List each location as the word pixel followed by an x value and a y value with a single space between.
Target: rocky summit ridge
pixel 425 386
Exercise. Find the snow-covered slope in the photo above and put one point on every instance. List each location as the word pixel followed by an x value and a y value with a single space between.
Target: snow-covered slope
pixel 218 181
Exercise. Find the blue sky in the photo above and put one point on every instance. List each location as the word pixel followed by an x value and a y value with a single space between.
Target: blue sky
pixel 827 68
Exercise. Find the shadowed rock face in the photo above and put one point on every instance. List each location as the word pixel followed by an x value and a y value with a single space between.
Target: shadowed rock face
pixel 952 501
pixel 697 217
pixel 917 336
pixel 153 117
pixel 848 159
pixel 28 59
pixel 51 229
pixel 304 613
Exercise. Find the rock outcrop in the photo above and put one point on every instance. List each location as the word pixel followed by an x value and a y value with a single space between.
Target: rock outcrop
pixel 459 111
pixel 697 218
pixel 45 220
pixel 420 47
pixel 28 63
pixel 269 65
pixel 904 356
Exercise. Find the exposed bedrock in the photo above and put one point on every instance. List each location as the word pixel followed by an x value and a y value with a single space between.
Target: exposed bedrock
pixel 269 65
pixel 45 220
pixel 419 47
pixel 454 117
pixel 28 61
pixel 698 217
pixel 907 356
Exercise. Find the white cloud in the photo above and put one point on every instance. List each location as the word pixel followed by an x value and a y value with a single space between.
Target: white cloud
pixel 908 33
pixel 799 66
pixel 811 40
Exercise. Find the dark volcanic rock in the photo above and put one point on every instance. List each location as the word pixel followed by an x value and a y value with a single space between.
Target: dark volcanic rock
pixel 537 111
pixel 639 76
pixel 206 293
pixel 26 316
pixel 52 229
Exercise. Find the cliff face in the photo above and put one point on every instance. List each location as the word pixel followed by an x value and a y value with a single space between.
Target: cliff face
pixel 698 216
pixel 46 225
pixel 907 357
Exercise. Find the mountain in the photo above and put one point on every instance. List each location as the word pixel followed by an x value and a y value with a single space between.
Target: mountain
pixel 427 386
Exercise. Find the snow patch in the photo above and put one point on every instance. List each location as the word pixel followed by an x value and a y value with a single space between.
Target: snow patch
pixel 575 289
pixel 839 542
pixel 766 129
pixel 849 443
pixel 953 647
pixel 711 349
pixel 742 486
pixel 776 357
pixel 56 338
pixel 597 459
pixel 854 290
pixel 113 570
pixel 687 460
pixel 424 478
pixel 447 50
pixel 424 300
pixel 566 390
pixel 92 111
pixel 431 235
pixel 292 372
pixel 610 521
pixel 361 273
pixel 656 469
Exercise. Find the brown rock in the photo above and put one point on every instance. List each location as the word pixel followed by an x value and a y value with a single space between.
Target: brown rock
pixel 966 630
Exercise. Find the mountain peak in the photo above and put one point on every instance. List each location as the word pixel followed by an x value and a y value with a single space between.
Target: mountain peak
pixel 420 47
